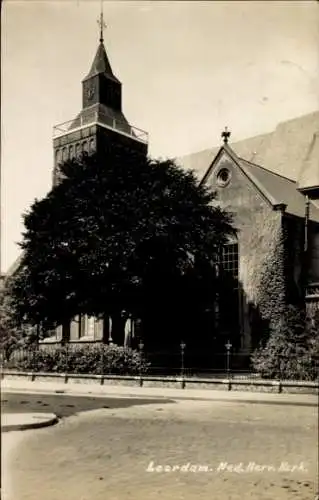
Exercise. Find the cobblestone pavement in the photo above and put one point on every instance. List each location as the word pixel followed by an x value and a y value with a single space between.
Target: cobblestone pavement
pixel 253 452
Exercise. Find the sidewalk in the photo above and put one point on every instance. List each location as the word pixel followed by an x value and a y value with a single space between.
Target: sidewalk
pixel 121 391
pixel 25 421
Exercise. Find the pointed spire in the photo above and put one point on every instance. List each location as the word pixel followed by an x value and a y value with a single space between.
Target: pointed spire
pixel 101 63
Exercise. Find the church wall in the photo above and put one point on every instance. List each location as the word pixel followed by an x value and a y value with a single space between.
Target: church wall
pixel 261 252
pixel 107 138
pixel 312 296
pixel 313 275
pixel 294 257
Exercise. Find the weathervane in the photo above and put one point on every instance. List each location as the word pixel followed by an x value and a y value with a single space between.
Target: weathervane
pixel 101 23
pixel 225 135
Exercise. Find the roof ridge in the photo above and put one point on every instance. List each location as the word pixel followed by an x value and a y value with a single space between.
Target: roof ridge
pixel 267 170
pixel 296 118
pixel 211 149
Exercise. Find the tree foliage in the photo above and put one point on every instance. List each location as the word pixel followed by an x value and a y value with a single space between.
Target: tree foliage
pixel 12 334
pixel 117 234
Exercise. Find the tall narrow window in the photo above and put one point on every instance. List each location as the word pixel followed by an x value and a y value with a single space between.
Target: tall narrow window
pixel 92 145
pixel 58 156
pixel 78 150
pixel 229 261
pixel 81 325
pixel 227 306
pixel 90 326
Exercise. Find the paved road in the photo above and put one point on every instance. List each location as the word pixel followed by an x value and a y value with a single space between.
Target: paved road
pixel 119 454
pixel 63 405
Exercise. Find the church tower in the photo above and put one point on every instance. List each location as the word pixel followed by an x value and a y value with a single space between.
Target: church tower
pixel 100 126
pixel 101 123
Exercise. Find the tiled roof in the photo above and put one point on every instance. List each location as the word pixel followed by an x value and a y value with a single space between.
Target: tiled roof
pixel 289 146
pixel 13 268
pixel 309 176
pixel 101 113
pixel 279 189
pixel 101 64
pixel 199 162
pixel 291 150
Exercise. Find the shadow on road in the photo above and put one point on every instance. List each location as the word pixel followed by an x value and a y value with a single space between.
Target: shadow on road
pixel 66 405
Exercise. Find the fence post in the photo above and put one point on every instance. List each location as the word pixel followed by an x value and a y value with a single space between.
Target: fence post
pixel 66 362
pixel 102 364
pixel 141 346
pixel 35 349
pixel 33 362
pixel 228 348
pixel 182 346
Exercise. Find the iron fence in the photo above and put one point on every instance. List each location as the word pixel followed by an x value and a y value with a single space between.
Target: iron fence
pixel 176 362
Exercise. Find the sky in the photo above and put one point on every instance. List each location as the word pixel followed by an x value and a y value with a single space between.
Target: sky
pixel 187 69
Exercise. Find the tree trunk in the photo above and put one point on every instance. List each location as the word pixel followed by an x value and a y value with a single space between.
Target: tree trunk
pixel 65 332
pixel 117 329
pixel 106 328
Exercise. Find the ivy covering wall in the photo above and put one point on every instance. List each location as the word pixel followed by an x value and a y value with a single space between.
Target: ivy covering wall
pixel 261 239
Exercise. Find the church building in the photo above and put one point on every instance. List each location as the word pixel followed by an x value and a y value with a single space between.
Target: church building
pixel 269 182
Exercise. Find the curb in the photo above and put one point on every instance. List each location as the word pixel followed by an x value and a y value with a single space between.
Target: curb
pixel 44 422
pixel 170 397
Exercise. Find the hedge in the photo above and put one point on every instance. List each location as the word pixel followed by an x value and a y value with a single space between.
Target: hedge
pixel 95 359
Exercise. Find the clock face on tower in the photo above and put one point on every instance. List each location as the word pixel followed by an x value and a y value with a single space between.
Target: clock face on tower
pixel 90 92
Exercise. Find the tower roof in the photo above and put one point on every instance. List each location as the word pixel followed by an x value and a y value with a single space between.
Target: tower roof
pixel 101 64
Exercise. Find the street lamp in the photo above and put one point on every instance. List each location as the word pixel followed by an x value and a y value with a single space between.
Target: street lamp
pixel 228 346
pixel 182 346
pixel 110 340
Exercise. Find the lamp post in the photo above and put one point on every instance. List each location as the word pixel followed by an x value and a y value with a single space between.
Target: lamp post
pixel 182 346
pixel 228 346
pixel 141 347
pixel 110 340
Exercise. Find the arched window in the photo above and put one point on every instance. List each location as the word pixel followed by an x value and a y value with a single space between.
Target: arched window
pixel 58 156
pixel 64 154
pixel 78 150
pixel 92 145
pixel 71 152
pixel 85 147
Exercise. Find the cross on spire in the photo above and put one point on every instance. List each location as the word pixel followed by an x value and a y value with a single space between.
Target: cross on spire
pixel 101 23
pixel 225 135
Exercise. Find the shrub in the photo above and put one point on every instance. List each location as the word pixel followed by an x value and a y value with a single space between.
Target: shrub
pixel 291 351
pixel 86 359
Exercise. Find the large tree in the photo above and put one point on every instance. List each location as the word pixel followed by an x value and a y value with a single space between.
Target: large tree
pixel 118 234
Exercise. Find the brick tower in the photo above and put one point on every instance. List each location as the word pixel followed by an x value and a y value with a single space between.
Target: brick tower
pixel 101 123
